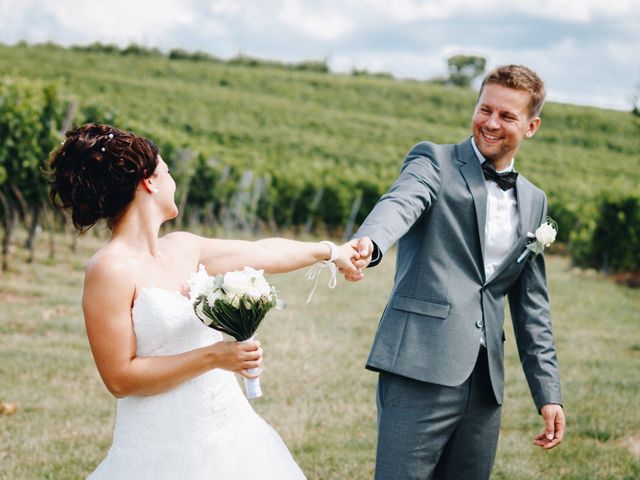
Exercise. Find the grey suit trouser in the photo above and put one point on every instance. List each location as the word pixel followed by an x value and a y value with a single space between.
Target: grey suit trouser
pixel 428 431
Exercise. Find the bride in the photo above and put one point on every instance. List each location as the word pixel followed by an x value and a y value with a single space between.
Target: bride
pixel 180 412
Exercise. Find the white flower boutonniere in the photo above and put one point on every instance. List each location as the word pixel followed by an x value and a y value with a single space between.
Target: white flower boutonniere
pixel 545 235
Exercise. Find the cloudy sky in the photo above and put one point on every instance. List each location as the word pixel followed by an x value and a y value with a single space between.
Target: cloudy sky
pixel 588 51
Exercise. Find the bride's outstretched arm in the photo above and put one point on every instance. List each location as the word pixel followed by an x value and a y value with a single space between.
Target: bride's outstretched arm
pixel 108 295
pixel 273 255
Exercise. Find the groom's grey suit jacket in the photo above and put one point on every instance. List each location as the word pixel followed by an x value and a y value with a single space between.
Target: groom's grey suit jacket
pixel 432 325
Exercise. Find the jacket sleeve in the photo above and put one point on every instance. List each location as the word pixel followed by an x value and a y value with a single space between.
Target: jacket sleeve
pixel 413 192
pixel 530 313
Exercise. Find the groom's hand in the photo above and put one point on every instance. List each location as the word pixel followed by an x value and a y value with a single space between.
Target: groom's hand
pixel 364 247
pixel 554 422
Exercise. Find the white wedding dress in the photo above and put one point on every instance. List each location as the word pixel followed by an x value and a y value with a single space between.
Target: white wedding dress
pixel 202 429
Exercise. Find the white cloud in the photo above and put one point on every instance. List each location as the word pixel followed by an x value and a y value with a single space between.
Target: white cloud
pixel 119 21
pixel 324 23
pixel 600 41
pixel 414 65
pixel 568 10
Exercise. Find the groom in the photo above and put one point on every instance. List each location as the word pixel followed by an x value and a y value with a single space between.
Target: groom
pixel 460 215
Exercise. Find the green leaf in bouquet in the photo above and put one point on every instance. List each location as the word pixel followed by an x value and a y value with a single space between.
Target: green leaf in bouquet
pixel 240 323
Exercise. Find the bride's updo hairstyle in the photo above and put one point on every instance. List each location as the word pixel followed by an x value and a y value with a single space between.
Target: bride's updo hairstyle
pixel 96 170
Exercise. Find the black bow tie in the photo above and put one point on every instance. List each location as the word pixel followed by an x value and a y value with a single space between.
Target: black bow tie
pixel 505 180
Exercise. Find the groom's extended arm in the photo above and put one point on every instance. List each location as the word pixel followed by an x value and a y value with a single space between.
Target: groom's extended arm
pixel 413 192
pixel 530 313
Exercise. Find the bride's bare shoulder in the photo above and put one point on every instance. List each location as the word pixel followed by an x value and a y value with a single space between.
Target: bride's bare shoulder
pixel 108 267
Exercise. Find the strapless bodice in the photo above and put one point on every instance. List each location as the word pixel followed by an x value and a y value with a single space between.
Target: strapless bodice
pixel 165 324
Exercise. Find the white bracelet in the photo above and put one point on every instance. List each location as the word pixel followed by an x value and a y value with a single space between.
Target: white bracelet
pixel 334 250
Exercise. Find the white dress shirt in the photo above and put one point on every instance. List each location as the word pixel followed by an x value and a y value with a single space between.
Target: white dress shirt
pixel 501 229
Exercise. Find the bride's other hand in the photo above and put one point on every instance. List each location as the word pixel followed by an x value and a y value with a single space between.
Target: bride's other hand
pixel 237 357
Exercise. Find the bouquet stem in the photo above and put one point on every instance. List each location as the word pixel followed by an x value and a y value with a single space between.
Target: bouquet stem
pixel 252 385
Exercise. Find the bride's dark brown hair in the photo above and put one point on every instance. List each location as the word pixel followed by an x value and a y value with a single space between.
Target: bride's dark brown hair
pixel 96 170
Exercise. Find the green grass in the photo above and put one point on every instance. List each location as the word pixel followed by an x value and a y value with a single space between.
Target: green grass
pixel 317 394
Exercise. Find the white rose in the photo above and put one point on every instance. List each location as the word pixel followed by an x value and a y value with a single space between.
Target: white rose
pixel 198 282
pixel 546 234
pixel 252 272
pixel 235 283
pixel 208 285
pixel 259 288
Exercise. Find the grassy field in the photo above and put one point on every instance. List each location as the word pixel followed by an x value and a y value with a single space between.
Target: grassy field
pixel 317 394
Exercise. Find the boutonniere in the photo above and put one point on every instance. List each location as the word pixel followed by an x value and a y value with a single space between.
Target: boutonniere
pixel 545 235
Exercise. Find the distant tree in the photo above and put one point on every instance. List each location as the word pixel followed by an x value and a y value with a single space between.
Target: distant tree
pixel 635 101
pixel 464 68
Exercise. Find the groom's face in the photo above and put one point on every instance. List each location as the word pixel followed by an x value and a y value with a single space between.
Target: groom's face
pixel 501 121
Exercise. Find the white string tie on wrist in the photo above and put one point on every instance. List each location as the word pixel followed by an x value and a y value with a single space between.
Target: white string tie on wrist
pixel 314 272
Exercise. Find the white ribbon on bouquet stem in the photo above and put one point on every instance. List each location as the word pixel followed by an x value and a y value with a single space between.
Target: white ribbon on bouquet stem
pixel 252 385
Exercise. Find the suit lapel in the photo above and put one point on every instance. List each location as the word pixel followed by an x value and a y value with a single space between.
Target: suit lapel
pixel 472 173
pixel 525 204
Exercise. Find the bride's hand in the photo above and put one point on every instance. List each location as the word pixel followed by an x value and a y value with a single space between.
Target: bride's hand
pixel 237 357
pixel 348 262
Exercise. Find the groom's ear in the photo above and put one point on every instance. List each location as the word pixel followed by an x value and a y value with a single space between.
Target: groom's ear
pixel 534 124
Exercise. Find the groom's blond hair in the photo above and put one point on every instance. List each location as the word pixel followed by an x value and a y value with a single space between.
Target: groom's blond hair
pixel 519 77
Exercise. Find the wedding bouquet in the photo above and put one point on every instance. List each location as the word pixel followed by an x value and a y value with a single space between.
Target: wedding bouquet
pixel 235 303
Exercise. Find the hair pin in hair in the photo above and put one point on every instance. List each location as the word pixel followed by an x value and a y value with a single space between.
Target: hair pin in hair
pixel 103 149
pixel 110 136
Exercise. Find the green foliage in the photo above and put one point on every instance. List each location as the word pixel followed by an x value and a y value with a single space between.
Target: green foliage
pixel 97 47
pixel 561 210
pixel 366 73
pixel 307 65
pixel 464 68
pixel 197 56
pixel 96 112
pixel 140 51
pixel 30 115
pixel 611 239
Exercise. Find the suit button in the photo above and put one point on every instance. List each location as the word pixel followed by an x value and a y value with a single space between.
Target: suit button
pixel 479 323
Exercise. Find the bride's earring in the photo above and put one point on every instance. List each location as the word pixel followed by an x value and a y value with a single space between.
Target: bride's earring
pixel 155 190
